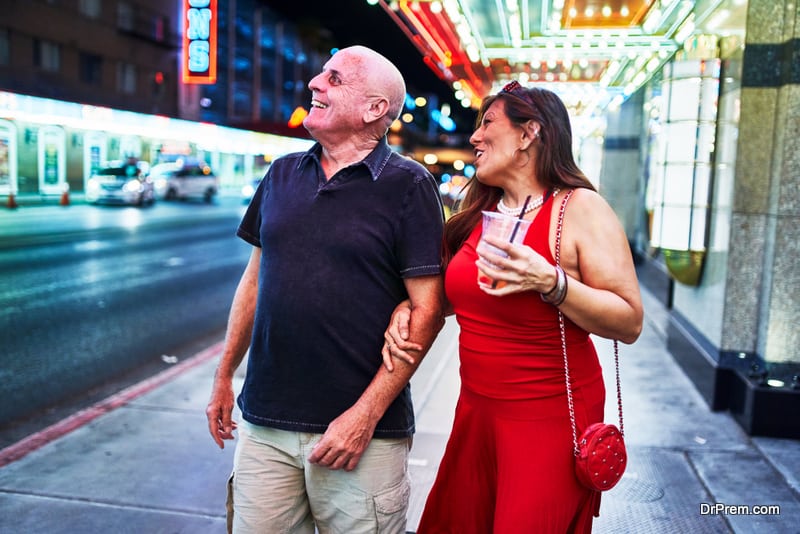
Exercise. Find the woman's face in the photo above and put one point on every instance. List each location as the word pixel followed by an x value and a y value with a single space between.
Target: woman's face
pixel 496 142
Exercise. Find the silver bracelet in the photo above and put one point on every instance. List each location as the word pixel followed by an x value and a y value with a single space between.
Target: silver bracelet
pixel 557 295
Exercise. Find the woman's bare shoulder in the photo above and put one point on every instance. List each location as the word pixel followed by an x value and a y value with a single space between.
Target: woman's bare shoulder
pixel 585 195
pixel 588 203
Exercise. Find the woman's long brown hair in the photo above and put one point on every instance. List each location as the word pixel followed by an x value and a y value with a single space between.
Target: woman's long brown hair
pixel 555 164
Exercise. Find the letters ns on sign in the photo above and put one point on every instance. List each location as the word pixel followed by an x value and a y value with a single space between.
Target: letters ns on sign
pixel 199 62
pixel 198 33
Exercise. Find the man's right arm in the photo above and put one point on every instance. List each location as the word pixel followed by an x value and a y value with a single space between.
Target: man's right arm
pixel 237 341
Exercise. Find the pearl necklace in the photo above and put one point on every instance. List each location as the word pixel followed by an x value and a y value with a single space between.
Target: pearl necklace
pixel 515 212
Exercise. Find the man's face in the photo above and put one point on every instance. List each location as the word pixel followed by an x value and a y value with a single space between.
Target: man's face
pixel 338 97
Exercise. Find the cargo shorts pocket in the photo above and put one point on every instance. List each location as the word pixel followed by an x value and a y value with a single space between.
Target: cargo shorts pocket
pixel 391 507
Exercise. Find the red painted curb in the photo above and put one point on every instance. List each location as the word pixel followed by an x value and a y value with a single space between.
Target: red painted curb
pixel 29 444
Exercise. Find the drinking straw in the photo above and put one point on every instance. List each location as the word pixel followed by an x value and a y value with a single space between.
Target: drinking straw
pixel 516 228
pixel 519 219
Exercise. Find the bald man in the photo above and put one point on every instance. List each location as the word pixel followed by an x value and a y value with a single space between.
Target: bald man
pixel 341 235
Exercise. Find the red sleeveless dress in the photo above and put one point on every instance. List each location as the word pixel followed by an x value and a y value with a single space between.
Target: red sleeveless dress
pixel 508 466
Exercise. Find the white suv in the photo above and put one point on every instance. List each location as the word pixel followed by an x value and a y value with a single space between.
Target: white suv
pixel 121 182
pixel 183 180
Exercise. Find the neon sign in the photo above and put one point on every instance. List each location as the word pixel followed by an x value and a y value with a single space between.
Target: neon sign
pixel 199 59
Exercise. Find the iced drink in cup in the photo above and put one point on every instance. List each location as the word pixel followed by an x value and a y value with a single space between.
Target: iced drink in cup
pixel 503 228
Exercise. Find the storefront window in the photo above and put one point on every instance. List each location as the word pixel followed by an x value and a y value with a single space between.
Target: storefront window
pixel 681 175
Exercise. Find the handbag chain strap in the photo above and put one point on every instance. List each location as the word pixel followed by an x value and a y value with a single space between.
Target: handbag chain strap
pixel 562 329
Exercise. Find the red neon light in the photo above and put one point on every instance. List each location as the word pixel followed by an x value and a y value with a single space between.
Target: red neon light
pixel 423 31
pixel 199 54
pixel 446 56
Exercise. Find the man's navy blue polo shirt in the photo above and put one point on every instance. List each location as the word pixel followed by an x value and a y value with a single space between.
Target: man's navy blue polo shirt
pixel 333 258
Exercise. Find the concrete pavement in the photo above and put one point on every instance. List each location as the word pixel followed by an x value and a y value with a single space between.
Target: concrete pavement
pixel 142 461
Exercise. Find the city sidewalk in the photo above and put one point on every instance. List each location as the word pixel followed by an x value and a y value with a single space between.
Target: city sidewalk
pixel 142 461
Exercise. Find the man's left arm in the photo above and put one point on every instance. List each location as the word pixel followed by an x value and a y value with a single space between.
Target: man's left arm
pixel 348 436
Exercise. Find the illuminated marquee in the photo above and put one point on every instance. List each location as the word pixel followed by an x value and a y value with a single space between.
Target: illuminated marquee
pixel 199 41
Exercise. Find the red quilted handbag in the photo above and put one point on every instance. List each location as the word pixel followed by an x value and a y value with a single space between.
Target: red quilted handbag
pixel 600 456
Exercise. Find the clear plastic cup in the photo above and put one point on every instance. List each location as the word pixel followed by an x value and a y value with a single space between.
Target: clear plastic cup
pixel 503 228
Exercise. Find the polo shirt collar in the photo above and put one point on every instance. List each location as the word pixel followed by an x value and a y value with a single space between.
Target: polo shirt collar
pixel 375 160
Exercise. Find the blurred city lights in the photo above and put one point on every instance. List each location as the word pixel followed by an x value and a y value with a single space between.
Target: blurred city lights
pixel 298 115
pixel 430 159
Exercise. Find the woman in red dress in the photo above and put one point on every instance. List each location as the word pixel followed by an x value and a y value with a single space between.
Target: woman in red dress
pixel 508 466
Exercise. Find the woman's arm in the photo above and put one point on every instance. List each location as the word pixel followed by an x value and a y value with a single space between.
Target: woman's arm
pixel 602 294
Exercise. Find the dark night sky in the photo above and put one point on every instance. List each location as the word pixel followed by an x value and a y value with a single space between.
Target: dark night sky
pixel 352 22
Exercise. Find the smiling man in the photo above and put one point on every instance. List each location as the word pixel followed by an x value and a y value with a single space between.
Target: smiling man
pixel 341 234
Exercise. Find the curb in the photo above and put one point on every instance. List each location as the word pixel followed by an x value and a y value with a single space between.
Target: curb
pixel 22 448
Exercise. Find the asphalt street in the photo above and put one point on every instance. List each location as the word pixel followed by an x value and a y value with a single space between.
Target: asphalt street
pixel 95 298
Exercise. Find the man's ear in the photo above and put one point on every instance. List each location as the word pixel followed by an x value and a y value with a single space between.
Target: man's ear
pixel 378 107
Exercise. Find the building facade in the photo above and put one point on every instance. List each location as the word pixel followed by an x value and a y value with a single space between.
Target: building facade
pixel 701 166
pixel 83 82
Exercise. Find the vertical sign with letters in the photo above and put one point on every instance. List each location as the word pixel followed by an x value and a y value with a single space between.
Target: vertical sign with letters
pixel 199 59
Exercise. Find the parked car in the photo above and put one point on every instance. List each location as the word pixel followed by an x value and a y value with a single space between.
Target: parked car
pixel 121 183
pixel 184 179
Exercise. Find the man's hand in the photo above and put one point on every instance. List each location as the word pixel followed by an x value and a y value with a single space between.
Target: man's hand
pixel 237 341
pixel 420 318
pixel 219 410
pixel 345 440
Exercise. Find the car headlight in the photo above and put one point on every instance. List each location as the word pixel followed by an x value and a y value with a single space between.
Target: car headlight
pixel 132 186
pixel 248 190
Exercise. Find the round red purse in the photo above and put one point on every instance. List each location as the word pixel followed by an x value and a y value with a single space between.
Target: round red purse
pixel 600 455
